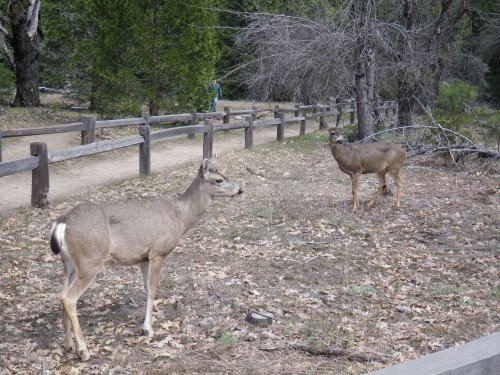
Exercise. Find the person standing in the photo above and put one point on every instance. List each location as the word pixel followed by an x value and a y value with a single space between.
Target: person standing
pixel 216 94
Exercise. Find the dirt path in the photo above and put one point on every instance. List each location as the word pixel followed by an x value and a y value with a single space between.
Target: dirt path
pixel 85 173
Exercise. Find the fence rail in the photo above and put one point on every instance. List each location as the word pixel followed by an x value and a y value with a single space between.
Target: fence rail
pixel 40 157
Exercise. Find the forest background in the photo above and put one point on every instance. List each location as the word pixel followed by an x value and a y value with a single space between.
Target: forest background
pixel 120 56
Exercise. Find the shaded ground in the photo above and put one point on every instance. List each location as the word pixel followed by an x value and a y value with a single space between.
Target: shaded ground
pixel 399 283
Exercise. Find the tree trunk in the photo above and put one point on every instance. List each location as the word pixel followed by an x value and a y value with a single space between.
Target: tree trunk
pixel 405 114
pixel 25 55
pixel 155 97
pixel 364 72
pixel 406 94
pixel 406 100
pixel 363 78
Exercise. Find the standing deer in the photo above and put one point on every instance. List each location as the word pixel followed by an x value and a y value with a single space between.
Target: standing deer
pixel 144 232
pixel 358 159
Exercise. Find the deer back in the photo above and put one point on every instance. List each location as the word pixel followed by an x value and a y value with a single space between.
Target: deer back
pixel 123 232
pixel 368 158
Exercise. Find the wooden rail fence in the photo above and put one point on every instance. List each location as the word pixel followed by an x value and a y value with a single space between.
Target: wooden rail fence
pixel 41 157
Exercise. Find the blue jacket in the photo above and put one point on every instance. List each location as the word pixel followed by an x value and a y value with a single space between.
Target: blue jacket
pixel 218 89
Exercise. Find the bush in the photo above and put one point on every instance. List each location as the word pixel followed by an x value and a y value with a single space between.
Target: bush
pixel 6 83
pixel 493 127
pixel 453 99
pixel 454 96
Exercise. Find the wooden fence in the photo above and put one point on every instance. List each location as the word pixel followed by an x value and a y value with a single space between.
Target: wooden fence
pixel 41 157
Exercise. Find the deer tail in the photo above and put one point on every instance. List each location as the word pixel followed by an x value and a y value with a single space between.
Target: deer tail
pixel 57 237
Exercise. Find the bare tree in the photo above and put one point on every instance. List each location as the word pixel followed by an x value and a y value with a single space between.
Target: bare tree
pixel 311 59
pixel 356 48
pixel 21 48
pixel 292 57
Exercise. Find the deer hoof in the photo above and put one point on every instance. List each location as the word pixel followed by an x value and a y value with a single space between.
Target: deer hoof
pixel 84 355
pixel 147 332
pixel 69 348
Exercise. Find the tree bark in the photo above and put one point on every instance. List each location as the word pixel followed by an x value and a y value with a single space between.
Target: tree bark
pixel 363 78
pixel 406 93
pixel 406 104
pixel 25 55
pixel 364 71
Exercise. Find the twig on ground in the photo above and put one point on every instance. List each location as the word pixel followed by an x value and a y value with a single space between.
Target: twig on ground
pixel 331 351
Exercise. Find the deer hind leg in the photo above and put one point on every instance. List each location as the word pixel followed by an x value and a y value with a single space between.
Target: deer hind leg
pixel 151 273
pixel 355 197
pixel 69 345
pixel 380 190
pixel 399 187
pixel 74 287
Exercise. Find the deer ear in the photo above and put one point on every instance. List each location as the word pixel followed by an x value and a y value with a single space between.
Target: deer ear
pixel 205 168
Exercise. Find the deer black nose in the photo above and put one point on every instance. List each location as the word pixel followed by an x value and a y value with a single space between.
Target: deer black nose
pixel 240 191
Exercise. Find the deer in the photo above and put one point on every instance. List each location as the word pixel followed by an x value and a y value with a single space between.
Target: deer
pixel 358 159
pixel 92 235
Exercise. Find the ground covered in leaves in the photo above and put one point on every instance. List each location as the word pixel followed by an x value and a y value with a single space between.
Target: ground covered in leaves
pixel 398 284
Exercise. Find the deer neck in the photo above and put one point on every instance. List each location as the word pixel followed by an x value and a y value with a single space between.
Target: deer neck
pixel 194 202
pixel 336 150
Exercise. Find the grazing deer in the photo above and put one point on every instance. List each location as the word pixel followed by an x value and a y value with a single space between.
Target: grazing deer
pixel 143 232
pixel 358 159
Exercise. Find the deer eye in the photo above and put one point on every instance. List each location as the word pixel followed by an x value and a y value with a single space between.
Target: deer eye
pixel 219 181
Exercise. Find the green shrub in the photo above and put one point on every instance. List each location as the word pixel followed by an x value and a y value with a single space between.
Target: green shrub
pixel 493 126
pixel 6 83
pixel 453 99
pixel 455 95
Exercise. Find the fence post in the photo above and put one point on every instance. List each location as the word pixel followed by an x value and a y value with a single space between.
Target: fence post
pixel 249 132
pixel 0 145
pixel 88 135
pixel 302 129
pixel 276 111
pixel 145 151
pixel 322 119
pixel 193 121
pixel 145 116
pixel 281 128
pixel 208 139
pixel 40 175
pixel 339 113
pixel 226 117
pixel 395 108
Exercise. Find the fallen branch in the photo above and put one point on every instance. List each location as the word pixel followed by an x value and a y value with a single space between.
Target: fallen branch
pixel 460 150
pixel 330 351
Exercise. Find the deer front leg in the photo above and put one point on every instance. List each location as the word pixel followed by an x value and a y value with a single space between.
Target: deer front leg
pixel 355 184
pixel 151 273
pixel 380 190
